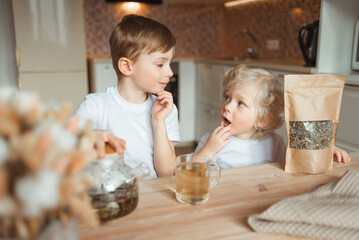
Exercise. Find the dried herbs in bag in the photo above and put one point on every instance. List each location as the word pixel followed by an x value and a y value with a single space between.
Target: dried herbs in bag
pixel 311 107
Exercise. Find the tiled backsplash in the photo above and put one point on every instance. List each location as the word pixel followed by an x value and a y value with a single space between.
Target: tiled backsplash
pixel 211 30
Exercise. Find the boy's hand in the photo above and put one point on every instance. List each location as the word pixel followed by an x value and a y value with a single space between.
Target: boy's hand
pixel 339 155
pixel 104 136
pixel 216 141
pixel 163 106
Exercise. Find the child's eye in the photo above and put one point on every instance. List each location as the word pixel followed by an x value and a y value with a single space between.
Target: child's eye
pixel 227 98
pixel 241 104
pixel 160 65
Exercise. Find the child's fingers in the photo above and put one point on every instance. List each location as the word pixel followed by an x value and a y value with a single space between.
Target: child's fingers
pixel 118 144
pixel 337 156
pixel 225 131
pixel 345 157
pixel 217 129
pixel 100 146
pixel 164 101
pixel 164 94
pixel 340 155
pixel 165 98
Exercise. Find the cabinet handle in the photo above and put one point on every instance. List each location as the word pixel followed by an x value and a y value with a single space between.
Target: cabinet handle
pixel 351 85
pixel 18 57
pixel 20 82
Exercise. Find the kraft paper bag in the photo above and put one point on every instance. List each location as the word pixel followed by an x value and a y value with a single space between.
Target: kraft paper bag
pixel 311 108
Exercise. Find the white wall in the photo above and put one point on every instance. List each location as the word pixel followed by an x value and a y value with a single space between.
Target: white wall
pixel 8 69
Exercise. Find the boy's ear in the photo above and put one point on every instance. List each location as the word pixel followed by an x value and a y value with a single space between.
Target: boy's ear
pixel 124 64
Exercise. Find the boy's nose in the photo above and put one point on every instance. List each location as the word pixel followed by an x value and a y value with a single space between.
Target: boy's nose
pixel 169 72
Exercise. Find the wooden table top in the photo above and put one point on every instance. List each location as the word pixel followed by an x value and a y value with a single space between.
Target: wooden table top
pixel 240 192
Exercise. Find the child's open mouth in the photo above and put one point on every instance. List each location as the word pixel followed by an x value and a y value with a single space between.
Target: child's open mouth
pixel 225 122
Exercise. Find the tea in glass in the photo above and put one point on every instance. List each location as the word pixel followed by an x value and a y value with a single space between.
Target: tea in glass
pixel 193 178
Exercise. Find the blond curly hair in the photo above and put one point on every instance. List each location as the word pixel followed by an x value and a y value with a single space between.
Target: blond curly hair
pixel 269 98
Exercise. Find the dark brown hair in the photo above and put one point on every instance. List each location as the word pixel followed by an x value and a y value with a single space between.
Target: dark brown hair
pixel 136 35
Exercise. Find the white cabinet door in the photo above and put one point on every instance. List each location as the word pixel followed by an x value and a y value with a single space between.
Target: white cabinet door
pixel 282 131
pixel 207 119
pixel 348 130
pixel 50 34
pixel 102 75
pixel 209 84
pixel 209 90
pixel 58 88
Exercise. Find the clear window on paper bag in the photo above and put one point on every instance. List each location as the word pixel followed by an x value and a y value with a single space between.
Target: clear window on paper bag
pixel 311 135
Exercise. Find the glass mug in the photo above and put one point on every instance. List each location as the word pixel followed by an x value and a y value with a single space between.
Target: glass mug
pixel 193 178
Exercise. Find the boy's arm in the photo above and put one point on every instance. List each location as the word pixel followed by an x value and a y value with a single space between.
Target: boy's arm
pixel 216 141
pixel 164 153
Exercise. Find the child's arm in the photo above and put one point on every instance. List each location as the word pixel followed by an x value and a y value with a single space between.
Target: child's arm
pixel 164 153
pixel 216 142
pixel 340 155
pixel 104 136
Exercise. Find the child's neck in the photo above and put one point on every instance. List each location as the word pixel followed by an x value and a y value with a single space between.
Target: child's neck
pixel 246 136
pixel 131 94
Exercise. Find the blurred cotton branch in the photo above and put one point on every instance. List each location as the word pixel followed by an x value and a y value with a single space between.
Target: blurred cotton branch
pixel 42 155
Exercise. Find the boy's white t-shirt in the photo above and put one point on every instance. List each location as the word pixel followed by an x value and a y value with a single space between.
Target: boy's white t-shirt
pixel 131 122
pixel 240 153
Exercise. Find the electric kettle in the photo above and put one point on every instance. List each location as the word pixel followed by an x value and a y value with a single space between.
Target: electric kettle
pixel 308 38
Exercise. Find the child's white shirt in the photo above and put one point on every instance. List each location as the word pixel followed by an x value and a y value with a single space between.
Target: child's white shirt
pixel 240 153
pixel 131 122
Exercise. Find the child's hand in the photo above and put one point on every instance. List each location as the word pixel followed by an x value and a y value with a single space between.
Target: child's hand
pixel 339 155
pixel 216 141
pixel 163 106
pixel 104 136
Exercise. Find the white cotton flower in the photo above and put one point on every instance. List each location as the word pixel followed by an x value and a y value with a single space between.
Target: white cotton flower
pixel 4 150
pixel 24 101
pixel 63 139
pixel 7 206
pixel 38 192
pixel 7 92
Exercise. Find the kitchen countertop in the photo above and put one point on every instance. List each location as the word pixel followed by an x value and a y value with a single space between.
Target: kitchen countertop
pixel 275 64
pixel 272 64
pixel 240 192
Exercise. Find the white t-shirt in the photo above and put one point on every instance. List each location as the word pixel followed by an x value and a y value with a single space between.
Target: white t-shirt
pixel 240 153
pixel 131 122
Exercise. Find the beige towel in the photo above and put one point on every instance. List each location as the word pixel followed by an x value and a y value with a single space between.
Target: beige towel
pixel 329 212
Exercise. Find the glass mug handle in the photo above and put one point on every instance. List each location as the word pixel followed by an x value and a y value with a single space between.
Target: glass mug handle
pixel 218 175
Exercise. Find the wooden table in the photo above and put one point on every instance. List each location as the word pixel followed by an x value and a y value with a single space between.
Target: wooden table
pixel 240 192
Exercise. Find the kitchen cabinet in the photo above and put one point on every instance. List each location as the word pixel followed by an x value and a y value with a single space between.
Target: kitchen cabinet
pixel 336 34
pixel 50 40
pixel 102 74
pixel 186 99
pixel 335 42
pixel 209 90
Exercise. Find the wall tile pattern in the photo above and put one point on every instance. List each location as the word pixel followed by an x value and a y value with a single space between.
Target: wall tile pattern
pixel 211 31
